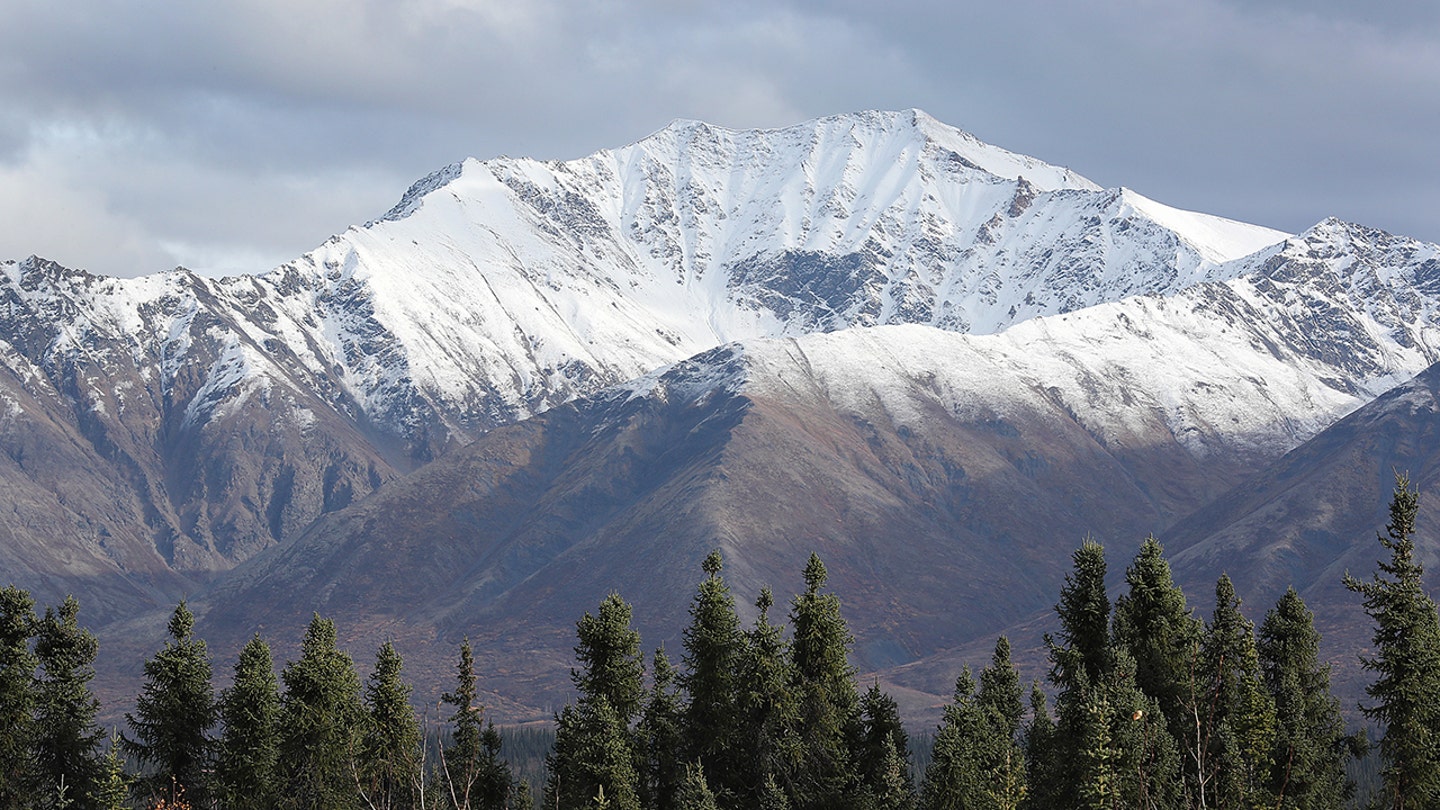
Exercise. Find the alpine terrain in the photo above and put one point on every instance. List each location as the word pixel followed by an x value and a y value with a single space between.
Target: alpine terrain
pixel 936 363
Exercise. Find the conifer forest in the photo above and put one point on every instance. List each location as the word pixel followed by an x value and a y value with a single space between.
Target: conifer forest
pixel 1145 705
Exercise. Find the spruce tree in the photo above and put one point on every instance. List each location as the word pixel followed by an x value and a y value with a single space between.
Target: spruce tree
pixel 249 747
pixel 112 792
pixel 1087 718
pixel 999 701
pixel 1406 663
pixel 1241 724
pixel 389 752
pixel 1110 746
pixel 493 788
pixel 1153 624
pixel 694 793
pixel 65 736
pixel 1000 694
pixel 609 658
pixel 954 778
pixel 824 685
pixel 772 796
pixel 1080 661
pixel 17 699
pixel 1044 785
pixel 769 710
pixel 978 761
pixel 1144 757
pixel 713 650
pixel 1084 612
pixel 1125 756
pixel 321 718
pixel 894 789
pixel 1308 765
pixel 883 744
pixel 522 800
pixel 594 752
pixel 174 715
pixel 462 758
pixel 658 738
pixel 472 772
pixel 592 758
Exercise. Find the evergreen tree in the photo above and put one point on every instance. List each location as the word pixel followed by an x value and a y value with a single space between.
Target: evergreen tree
pixel 496 782
pixel 894 789
pixel 592 758
pixel 594 755
pixel 1080 661
pixel 953 779
pixel 464 756
pixel 1153 624
pixel 1000 694
pixel 1145 758
pixel 249 747
pixel 978 762
pixel 769 710
pixel 174 715
pixel 523 800
pixel 1125 756
pixel 883 744
pixel 713 651
pixel 694 793
pixel 609 658
pixel 1406 690
pixel 66 738
pixel 659 740
pixel 1001 708
pixel 17 699
pixel 1241 726
pixel 824 685
pixel 389 751
pixel 112 792
pixel 321 718
pixel 1308 765
pixel 1110 746
pixel 1043 783
pixel 1084 613
pixel 772 796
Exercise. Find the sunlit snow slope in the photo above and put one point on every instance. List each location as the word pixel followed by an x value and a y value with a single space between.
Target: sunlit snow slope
pixel 167 427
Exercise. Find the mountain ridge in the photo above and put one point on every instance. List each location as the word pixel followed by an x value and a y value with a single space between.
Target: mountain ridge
pixel 207 427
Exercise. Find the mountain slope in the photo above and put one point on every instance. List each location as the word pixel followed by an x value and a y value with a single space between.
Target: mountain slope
pixel 1315 513
pixel 157 439
pixel 223 416
pixel 923 465
pixel 314 424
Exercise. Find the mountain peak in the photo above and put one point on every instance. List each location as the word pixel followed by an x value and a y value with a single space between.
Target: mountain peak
pixel 876 134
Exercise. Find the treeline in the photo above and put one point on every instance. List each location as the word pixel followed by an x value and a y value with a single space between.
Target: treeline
pixel 1153 708
pixel 316 737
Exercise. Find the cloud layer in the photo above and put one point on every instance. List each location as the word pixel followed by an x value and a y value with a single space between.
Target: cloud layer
pixel 232 137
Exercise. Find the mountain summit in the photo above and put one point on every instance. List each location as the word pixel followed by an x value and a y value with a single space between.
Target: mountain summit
pixel 160 431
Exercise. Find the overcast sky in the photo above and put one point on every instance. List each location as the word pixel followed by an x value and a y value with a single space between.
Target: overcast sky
pixel 231 137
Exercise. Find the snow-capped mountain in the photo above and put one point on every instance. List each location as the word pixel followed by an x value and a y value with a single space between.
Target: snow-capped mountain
pixel 158 431
pixel 925 466
pixel 507 286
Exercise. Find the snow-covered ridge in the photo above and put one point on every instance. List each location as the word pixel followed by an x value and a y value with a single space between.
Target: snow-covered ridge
pixel 1204 368
pixel 496 289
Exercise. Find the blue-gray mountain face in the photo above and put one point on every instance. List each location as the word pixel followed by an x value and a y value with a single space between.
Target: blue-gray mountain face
pixel 937 363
